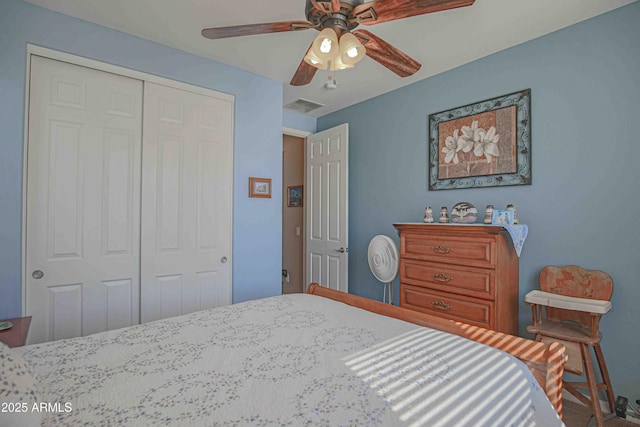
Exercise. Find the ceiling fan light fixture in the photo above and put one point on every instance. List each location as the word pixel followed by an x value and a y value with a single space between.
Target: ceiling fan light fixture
pixel 336 19
pixel 326 46
pixel 351 50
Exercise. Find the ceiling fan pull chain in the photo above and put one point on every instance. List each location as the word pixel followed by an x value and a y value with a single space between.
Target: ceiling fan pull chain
pixel 332 83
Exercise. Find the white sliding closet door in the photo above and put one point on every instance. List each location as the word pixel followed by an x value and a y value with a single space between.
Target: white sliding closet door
pixel 83 199
pixel 186 202
pixel 119 229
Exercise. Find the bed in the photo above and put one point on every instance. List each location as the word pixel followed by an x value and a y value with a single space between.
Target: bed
pixel 321 358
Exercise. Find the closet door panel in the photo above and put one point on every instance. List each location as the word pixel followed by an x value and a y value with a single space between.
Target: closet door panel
pixel 83 200
pixel 186 202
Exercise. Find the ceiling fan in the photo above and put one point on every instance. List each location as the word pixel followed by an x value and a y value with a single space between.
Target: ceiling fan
pixel 339 45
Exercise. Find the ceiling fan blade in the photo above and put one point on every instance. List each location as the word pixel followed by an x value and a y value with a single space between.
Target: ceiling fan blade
pixel 379 11
pixel 304 74
pixel 254 29
pixel 387 55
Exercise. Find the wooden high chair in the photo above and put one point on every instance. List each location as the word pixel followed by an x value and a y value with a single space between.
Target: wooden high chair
pixel 575 299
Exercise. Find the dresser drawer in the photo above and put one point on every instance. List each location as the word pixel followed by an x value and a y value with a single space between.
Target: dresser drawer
pixel 455 307
pixel 478 252
pixel 474 282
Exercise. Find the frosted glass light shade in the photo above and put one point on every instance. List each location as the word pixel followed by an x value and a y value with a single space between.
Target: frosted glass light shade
pixel 325 46
pixel 312 59
pixel 351 50
pixel 337 64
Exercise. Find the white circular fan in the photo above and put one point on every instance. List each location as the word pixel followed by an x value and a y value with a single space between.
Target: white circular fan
pixel 383 261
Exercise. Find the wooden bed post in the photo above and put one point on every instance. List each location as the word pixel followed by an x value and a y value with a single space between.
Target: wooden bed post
pixel 545 361
pixel 556 357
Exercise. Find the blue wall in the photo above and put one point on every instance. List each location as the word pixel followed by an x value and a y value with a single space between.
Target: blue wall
pixel 257 224
pixel 299 121
pixel 581 208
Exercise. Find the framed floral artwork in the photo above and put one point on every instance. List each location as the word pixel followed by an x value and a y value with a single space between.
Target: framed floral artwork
pixel 485 144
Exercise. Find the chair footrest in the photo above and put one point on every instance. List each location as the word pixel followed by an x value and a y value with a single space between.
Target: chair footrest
pixel 565 331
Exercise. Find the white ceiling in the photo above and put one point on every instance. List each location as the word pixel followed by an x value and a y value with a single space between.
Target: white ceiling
pixel 440 41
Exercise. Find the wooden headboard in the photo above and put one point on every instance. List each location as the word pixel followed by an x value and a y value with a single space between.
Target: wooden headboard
pixel 546 361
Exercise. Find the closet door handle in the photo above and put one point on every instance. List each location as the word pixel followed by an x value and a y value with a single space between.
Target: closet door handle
pixel 223 260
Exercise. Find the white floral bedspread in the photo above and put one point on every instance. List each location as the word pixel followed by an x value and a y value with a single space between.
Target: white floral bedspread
pixel 291 360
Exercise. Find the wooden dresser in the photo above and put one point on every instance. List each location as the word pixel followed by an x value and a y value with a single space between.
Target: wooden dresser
pixel 467 273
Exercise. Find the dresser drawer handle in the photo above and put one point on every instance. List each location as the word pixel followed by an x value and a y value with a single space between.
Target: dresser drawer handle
pixel 442 277
pixel 441 305
pixel 442 249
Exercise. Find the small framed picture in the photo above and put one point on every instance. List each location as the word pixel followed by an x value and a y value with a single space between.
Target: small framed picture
pixel 502 217
pixel 260 187
pixel 294 199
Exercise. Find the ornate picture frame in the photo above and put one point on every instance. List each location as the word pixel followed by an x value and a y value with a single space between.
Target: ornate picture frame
pixel 484 144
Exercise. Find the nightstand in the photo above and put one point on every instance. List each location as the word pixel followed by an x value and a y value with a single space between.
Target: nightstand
pixel 16 336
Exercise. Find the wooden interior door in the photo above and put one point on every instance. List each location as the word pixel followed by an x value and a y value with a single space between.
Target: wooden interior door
pixel 187 184
pixel 83 200
pixel 327 208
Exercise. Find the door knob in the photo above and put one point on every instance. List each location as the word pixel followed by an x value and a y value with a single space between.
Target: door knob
pixel 37 274
pixel 342 250
pixel 223 260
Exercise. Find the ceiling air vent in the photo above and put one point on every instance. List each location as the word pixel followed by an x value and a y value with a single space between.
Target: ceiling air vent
pixel 303 106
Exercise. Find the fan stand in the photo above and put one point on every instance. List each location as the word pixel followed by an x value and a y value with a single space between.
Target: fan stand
pixel 388 292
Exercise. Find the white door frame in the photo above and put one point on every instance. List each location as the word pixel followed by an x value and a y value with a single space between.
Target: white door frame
pixel 102 66
pixel 296 132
